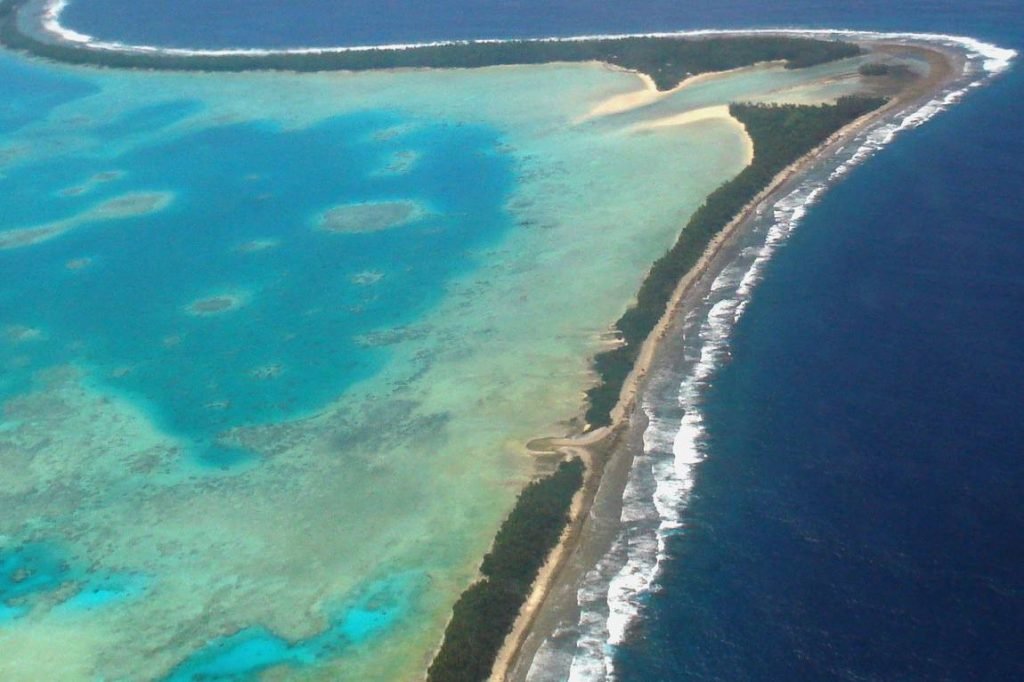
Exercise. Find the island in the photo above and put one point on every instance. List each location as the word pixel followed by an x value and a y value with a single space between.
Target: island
pixel 498 622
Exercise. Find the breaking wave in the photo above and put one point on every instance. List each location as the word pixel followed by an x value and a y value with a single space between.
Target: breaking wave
pixel 612 594
pixel 655 498
pixel 48 15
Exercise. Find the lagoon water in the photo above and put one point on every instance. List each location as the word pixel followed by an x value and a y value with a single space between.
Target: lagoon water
pixel 272 345
pixel 236 443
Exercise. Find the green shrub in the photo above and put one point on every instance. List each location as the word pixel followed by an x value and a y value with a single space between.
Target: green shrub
pixel 485 613
pixel 782 133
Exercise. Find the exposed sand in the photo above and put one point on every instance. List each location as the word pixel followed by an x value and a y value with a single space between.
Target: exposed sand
pixel 607 446
pixel 715 113
pixel 627 101
pixel 649 93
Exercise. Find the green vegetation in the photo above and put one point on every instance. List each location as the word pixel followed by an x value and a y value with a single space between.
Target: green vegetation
pixel 486 611
pixel 874 69
pixel 781 135
pixel 667 60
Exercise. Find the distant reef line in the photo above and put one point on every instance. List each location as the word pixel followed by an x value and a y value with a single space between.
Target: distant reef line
pixel 782 134
pixel 668 60
pixel 486 612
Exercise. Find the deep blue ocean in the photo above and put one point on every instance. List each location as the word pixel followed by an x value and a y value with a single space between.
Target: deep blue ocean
pixel 859 512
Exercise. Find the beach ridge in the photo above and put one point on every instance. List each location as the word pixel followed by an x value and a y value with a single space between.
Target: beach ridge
pixel 597 447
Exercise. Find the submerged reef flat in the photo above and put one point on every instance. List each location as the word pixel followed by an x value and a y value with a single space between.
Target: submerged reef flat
pixel 19 333
pixel 351 495
pixel 257 245
pixel 303 488
pixel 78 263
pixel 666 60
pixel 130 205
pixel 90 184
pixel 216 305
pixel 400 162
pixel 369 217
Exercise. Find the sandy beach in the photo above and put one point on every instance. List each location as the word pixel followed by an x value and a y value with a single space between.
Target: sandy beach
pixel 643 165
pixel 608 451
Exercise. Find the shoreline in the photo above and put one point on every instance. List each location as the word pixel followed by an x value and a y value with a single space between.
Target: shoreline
pixel 50 11
pixel 611 447
pixel 607 448
pixel 49 32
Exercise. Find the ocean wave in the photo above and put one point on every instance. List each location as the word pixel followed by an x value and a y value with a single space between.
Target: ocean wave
pixel 611 595
pixel 994 59
pixel 662 476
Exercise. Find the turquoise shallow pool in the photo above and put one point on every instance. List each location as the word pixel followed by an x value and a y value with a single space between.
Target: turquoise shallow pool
pixel 272 345
pixel 239 227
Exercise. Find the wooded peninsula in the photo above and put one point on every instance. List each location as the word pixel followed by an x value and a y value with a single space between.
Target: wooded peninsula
pixel 781 134
pixel 666 60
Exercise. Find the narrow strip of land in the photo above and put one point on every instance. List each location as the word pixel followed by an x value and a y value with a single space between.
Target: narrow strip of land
pixel 494 619
pixel 611 447
pixel 666 61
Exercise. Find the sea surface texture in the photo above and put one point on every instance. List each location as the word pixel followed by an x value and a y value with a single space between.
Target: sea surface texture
pixel 270 346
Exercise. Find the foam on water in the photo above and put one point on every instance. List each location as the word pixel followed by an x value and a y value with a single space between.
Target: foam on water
pixel 405 472
pixel 277 523
pixel 994 59
pixel 612 595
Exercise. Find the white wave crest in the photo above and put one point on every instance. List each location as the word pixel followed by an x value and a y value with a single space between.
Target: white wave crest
pixel 663 475
pixel 993 59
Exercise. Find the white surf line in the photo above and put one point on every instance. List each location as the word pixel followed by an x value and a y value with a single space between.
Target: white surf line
pixel 673 450
pixel 996 58
pixel 609 599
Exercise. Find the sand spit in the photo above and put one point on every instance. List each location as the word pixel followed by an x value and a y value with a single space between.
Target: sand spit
pixel 627 101
pixel 713 113
pixel 650 94
pixel 570 541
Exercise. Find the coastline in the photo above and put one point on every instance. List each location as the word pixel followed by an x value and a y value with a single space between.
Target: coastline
pixel 607 451
pixel 49 12
pixel 610 449
pixel 49 32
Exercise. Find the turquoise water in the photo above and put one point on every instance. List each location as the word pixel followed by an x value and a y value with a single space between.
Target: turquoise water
pixel 30 92
pixel 34 571
pixel 255 649
pixel 149 204
pixel 113 295
pixel 858 507
pixel 25 572
pixel 272 345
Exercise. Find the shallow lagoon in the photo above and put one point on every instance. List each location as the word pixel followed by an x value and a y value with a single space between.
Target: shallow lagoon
pixel 300 478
